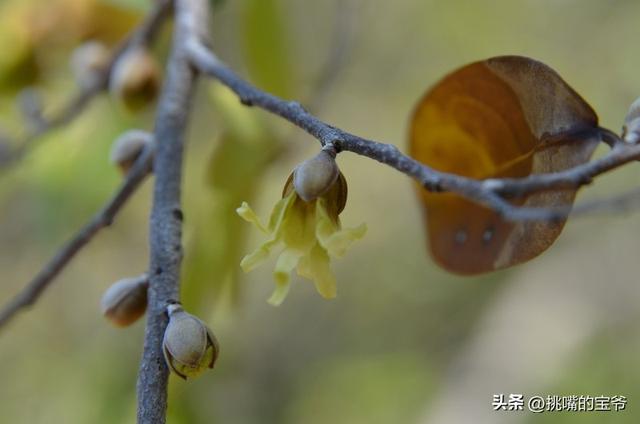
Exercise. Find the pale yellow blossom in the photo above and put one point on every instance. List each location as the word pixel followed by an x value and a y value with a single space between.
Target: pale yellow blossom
pixel 309 233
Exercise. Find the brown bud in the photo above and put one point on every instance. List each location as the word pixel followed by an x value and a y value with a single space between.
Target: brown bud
pixel 189 346
pixel 315 176
pixel 88 61
pixel 135 78
pixel 126 148
pixel 125 301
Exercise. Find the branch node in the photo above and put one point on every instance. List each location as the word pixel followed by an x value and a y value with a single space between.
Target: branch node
pixel 433 184
pixel 330 148
pixel 493 184
pixel 296 106
pixel 245 100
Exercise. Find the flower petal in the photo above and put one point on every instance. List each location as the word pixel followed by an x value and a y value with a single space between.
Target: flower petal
pixel 261 254
pixel 325 225
pixel 335 240
pixel 340 241
pixel 249 215
pixel 298 226
pixel 279 212
pixel 287 261
pixel 315 266
pixel 258 256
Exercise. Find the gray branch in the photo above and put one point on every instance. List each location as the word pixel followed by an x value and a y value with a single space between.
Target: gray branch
pixel 493 193
pixel 166 214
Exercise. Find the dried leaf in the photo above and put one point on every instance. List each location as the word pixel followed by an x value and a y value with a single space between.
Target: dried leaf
pixel 507 116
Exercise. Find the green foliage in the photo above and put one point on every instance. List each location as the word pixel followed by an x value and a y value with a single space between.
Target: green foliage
pixel 266 46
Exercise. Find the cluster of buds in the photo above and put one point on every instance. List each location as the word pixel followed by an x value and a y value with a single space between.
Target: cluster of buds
pixel 189 346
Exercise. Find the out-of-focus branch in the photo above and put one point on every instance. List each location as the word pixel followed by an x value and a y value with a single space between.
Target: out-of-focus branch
pixel 493 193
pixel 191 21
pixel 32 291
pixel 145 33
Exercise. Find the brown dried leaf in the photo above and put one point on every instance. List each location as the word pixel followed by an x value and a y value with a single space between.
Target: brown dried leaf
pixel 507 116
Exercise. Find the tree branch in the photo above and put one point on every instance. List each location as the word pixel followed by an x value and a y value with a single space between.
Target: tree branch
pixel 166 214
pixel 143 34
pixel 32 291
pixel 492 193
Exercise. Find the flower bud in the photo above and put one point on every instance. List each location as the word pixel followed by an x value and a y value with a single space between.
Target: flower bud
pixel 135 78
pixel 127 148
pixel 335 196
pixel 88 61
pixel 189 346
pixel 315 176
pixel 125 301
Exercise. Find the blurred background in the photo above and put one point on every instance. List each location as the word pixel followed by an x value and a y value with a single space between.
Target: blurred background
pixel 404 342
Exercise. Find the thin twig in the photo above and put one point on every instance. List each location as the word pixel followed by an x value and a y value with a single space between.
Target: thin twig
pixel 491 193
pixel 32 291
pixel 78 102
pixel 166 216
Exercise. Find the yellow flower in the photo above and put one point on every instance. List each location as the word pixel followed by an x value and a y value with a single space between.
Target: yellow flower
pixel 309 231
